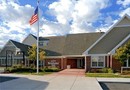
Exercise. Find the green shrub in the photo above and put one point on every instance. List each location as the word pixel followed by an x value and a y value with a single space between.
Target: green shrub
pixel 107 70
pixel 95 70
pixel 51 69
pixel 110 70
pixel 8 69
pixel 23 69
pixel 104 70
pixel 32 66
pixel 17 66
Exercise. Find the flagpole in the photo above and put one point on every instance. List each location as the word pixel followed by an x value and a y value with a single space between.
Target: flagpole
pixel 38 39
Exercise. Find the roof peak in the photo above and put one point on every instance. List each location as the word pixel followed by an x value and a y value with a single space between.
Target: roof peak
pixel 65 35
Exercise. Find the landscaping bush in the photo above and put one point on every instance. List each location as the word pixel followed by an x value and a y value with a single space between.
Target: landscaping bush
pixel 23 69
pixel 17 66
pixel 104 70
pixel 107 70
pixel 51 69
pixel 110 70
pixel 32 66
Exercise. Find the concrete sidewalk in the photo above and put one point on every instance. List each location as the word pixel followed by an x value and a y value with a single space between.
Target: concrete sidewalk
pixel 57 81
pixel 114 83
pixel 113 79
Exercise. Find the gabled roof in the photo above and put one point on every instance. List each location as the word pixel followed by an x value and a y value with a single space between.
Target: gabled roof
pixel 71 44
pixel 76 44
pixel 21 46
pixel 123 42
pixel 111 38
pixel 40 38
pixel 55 45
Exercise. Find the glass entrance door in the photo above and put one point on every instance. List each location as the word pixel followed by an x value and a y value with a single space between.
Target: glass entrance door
pixel 80 63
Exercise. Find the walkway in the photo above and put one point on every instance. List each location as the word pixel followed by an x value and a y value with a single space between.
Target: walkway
pixel 71 72
pixel 69 79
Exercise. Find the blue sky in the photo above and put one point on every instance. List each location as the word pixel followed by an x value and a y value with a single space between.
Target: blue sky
pixel 58 17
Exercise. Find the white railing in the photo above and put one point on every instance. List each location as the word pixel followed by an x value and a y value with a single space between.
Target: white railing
pixel 124 68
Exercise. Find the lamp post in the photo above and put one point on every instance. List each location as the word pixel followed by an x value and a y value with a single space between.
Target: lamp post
pixel 7 57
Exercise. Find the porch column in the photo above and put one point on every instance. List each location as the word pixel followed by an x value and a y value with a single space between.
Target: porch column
pixel 111 61
pixel 25 61
pixel 65 63
pixel 108 61
pixel 28 63
pixel 62 63
pixel 85 64
pixel 127 63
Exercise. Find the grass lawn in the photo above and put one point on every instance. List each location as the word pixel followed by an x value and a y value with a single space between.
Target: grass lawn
pixel 107 75
pixel 34 73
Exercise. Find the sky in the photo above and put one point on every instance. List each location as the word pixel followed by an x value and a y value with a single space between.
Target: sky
pixel 58 17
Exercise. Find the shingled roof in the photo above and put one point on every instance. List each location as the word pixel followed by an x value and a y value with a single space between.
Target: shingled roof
pixel 71 44
pixel 112 38
pixel 21 46
pixel 55 46
pixel 76 44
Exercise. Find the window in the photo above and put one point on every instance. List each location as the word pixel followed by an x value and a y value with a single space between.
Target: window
pixel 40 43
pixel 43 43
pixel 15 61
pixel 3 61
pixel 98 61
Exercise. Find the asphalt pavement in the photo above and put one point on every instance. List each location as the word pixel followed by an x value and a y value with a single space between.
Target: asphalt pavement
pixel 65 80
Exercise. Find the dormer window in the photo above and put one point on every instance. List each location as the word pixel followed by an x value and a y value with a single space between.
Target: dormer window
pixel 40 43
pixel 43 43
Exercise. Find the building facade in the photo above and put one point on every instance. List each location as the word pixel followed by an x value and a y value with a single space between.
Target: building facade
pixel 86 50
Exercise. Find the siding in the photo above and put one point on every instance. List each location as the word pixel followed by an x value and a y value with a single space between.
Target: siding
pixel 113 38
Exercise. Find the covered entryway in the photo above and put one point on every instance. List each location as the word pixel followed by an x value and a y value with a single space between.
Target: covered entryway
pixel 76 63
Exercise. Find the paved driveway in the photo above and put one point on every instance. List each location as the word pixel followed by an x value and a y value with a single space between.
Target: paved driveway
pixel 69 79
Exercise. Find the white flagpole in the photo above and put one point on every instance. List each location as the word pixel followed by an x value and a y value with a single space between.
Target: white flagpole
pixel 38 39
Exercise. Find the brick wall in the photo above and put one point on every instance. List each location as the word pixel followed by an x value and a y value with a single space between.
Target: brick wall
pixel 88 63
pixel 58 61
pixel 116 65
pixel 64 63
pixel 72 63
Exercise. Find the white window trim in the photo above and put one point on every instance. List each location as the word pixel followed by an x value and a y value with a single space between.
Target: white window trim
pixel 98 66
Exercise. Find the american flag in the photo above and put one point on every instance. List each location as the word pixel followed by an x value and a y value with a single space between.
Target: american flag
pixel 34 17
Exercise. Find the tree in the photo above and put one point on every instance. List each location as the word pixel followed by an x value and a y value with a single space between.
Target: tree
pixel 123 53
pixel 32 53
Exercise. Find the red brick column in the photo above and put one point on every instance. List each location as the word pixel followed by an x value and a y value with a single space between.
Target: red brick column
pixel 88 63
pixel 64 63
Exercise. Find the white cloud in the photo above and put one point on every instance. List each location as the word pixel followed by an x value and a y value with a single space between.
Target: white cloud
pixel 80 13
pixel 109 24
pixel 125 11
pixel 123 2
pixel 50 28
pixel 72 16
pixel 15 20
pixel 62 10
